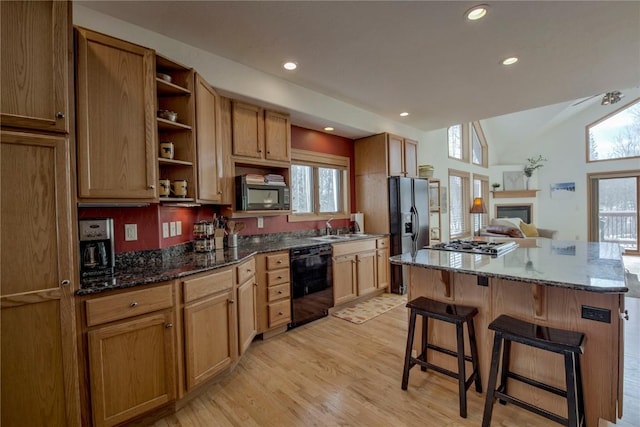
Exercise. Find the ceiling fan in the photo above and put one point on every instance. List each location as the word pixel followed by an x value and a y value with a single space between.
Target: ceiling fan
pixel 607 98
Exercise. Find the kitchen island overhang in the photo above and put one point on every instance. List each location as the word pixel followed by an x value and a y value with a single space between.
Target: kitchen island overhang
pixel 571 285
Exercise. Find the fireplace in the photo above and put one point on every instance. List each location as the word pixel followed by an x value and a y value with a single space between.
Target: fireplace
pixel 515 211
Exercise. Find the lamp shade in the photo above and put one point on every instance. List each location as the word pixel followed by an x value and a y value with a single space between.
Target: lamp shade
pixel 478 206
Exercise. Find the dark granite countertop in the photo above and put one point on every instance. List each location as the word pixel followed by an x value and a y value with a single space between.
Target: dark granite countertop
pixel 593 267
pixel 192 263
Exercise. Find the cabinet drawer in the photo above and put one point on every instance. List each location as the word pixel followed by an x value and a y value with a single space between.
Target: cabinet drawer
pixel 277 292
pixel 245 270
pixel 277 277
pixel 207 284
pixel 382 243
pixel 277 261
pixel 353 247
pixel 279 313
pixel 129 304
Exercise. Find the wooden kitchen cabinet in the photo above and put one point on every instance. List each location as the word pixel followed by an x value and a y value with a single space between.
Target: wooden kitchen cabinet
pixel 247 316
pixel 273 291
pixel 116 119
pixel 386 153
pixel 354 270
pixel 177 95
pixel 260 135
pixel 344 279
pixel 210 340
pixel 37 314
pixel 209 151
pixel 382 263
pixel 35 46
pixel 131 339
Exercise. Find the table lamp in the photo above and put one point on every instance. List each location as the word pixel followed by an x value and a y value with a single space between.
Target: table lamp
pixel 478 207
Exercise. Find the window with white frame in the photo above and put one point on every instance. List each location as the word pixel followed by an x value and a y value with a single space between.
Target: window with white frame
pixel 478 145
pixel 319 186
pixel 457 142
pixel 459 223
pixel 615 136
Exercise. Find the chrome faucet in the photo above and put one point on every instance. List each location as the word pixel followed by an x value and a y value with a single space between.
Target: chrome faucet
pixel 328 226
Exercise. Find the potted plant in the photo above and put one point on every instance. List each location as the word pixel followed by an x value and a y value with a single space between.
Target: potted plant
pixel 495 186
pixel 532 165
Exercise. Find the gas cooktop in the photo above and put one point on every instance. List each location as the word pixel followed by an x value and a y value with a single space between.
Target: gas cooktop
pixel 475 246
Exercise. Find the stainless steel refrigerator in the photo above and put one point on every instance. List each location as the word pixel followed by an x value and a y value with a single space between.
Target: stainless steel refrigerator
pixel 408 223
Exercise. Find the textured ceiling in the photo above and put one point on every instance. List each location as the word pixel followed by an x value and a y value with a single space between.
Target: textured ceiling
pixel 422 57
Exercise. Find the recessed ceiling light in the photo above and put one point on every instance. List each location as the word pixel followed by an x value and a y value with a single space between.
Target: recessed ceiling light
pixel 477 12
pixel 404 114
pixel 329 129
pixel 290 66
pixel 509 61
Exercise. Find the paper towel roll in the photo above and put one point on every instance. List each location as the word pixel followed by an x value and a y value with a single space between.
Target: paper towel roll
pixel 359 219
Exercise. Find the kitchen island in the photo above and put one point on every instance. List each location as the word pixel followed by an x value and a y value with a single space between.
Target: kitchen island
pixel 571 285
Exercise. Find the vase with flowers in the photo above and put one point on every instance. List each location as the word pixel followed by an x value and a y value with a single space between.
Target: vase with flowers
pixel 533 163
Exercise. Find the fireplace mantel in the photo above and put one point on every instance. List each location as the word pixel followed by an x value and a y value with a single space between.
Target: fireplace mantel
pixel 514 194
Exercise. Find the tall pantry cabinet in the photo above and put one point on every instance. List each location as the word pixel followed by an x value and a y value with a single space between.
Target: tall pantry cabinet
pixel 38 277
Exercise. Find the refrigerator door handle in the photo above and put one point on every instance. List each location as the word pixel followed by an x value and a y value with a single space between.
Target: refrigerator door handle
pixel 415 227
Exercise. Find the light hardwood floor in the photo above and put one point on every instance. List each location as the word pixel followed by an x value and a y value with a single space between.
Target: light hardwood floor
pixel 332 372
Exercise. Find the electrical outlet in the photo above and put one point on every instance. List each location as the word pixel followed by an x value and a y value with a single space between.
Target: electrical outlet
pixel 179 228
pixel 260 222
pixel 130 232
pixel 172 228
pixel 596 313
pixel 165 230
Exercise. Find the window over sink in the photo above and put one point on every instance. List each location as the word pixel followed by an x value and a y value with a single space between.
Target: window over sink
pixel 319 186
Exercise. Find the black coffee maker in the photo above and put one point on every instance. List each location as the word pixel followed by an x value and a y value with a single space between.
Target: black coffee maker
pixel 96 247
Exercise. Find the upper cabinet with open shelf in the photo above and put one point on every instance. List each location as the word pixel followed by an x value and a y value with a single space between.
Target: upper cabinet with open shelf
pixel 174 90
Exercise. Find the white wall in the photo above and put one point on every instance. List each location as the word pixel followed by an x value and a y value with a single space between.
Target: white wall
pixel 563 143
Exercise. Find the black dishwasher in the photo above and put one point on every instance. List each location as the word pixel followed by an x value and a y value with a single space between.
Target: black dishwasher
pixel 311 284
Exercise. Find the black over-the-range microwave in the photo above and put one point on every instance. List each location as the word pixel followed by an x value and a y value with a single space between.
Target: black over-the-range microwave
pixel 256 197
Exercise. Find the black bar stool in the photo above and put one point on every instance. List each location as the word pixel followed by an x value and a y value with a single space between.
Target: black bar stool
pixel 569 344
pixel 450 313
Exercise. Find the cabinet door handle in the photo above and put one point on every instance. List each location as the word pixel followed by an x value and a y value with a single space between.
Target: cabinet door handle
pixel 168 325
pixel 279 277
pixel 152 186
pixel 280 313
pixel 133 304
pixel 279 261
pixel 255 284
pixel 59 115
pixel 279 292
pixel 231 301
pixel 65 282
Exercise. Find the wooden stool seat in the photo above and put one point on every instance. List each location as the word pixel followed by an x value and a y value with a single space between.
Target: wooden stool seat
pixel 568 343
pixel 451 313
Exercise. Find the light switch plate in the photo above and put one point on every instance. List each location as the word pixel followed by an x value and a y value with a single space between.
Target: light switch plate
pixel 179 228
pixel 260 222
pixel 130 232
pixel 165 230
pixel 172 228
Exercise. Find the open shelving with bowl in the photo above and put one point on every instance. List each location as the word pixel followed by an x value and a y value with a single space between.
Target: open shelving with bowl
pixel 175 94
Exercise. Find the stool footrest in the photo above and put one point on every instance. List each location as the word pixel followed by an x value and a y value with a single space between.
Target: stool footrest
pixel 532 408
pixel 447 351
pixel 467 383
pixel 538 384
